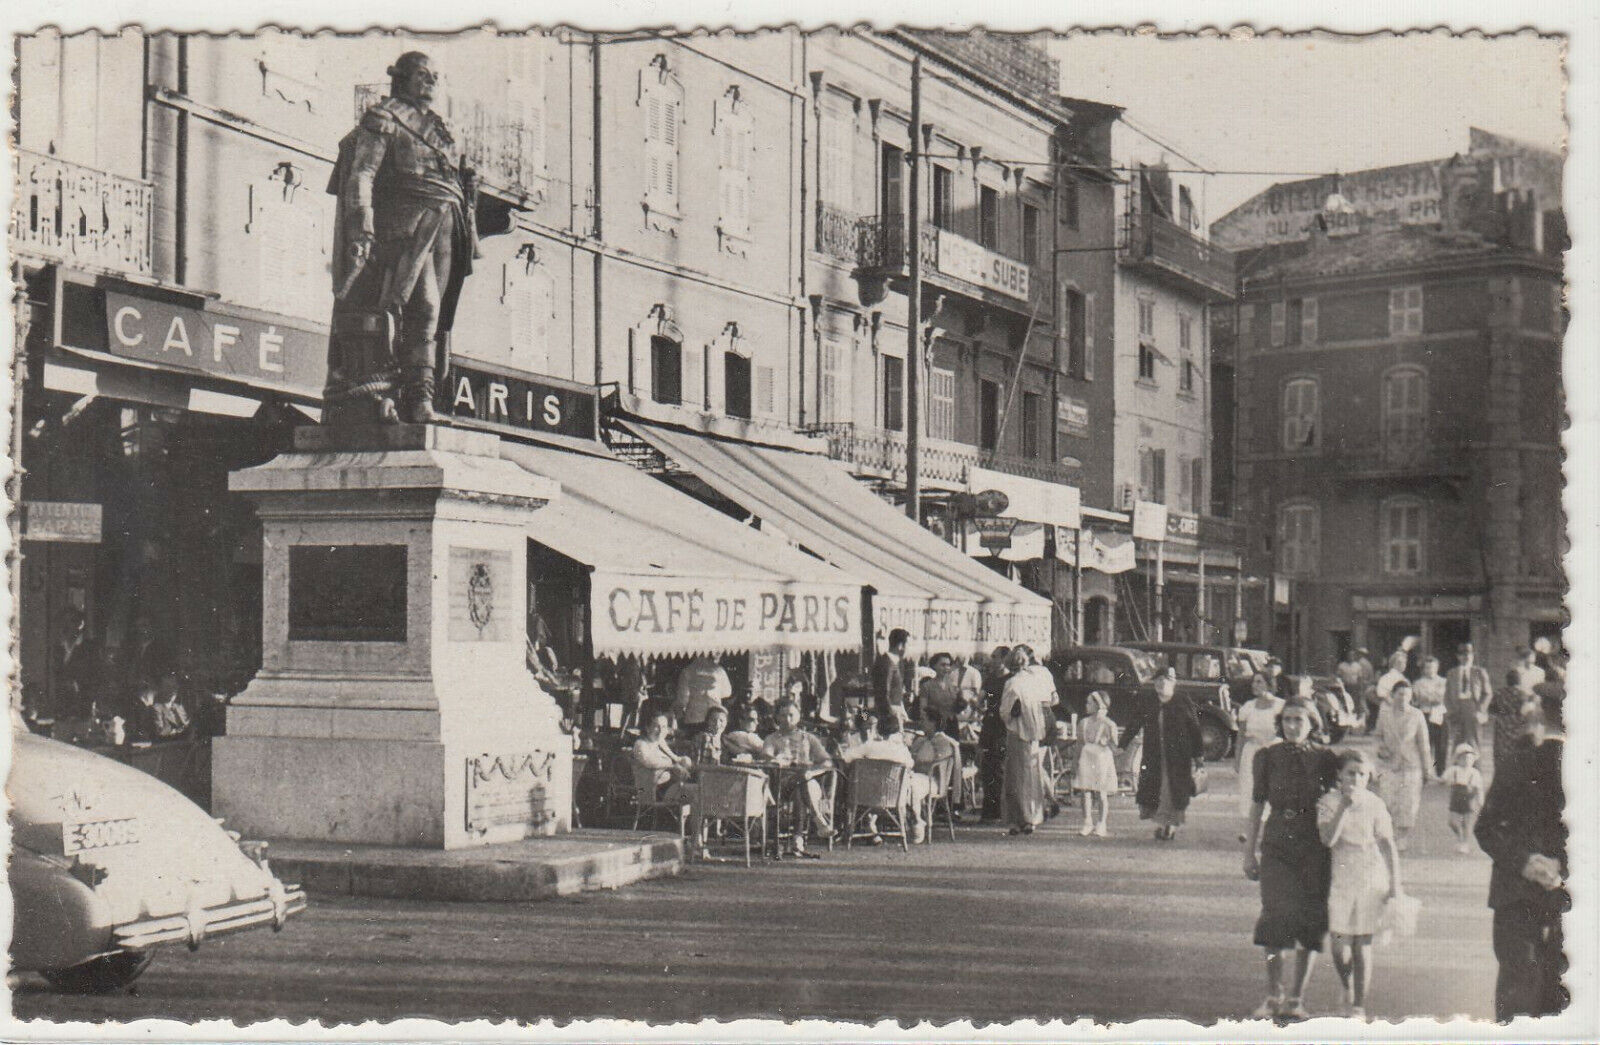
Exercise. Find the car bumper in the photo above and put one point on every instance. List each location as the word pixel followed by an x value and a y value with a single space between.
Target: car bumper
pixel 273 910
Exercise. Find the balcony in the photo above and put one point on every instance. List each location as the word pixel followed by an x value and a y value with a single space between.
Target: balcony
pixel 881 454
pixel 507 154
pixel 836 233
pixel 1167 251
pixel 80 217
pixel 948 260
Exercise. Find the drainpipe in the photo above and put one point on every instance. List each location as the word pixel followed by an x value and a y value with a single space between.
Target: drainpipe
pixel 180 179
pixel 596 226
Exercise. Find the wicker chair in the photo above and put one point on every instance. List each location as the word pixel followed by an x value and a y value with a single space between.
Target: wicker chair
pixel 733 793
pixel 645 800
pixel 943 773
pixel 878 787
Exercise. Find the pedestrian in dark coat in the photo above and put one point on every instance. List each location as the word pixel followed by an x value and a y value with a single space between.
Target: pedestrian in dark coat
pixel 992 737
pixel 1173 752
pixel 1521 829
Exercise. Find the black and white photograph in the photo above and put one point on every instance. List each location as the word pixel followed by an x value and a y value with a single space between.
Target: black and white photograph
pixel 639 516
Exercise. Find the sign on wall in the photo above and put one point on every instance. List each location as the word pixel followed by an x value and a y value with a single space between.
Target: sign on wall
pixel 1149 521
pixel 1383 199
pixel 1183 526
pixel 966 260
pixel 1073 416
pixel 218 341
pixel 500 398
pixel 68 521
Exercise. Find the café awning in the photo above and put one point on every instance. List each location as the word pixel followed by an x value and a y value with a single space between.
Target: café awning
pixel 943 598
pixel 673 576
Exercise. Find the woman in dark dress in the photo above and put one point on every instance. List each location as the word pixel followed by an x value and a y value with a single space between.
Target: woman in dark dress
pixel 1172 754
pixel 1293 865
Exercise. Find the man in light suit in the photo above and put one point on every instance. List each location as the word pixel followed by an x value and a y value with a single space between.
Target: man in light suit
pixel 1467 693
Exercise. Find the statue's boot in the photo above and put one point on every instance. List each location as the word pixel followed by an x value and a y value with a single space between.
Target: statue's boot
pixel 416 396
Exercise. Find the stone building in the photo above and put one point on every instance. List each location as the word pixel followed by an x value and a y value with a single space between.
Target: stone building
pixel 1398 342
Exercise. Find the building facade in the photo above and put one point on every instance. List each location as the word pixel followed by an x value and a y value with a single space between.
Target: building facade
pixel 1399 360
pixel 1170 278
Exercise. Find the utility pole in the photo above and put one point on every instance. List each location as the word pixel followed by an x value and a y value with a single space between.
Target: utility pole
pixel 914 303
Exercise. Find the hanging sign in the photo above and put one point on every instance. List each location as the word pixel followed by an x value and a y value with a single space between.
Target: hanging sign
pixel 1150 521
pixel 994 532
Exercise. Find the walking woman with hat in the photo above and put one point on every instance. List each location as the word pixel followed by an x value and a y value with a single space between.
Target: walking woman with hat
pixel 1172 754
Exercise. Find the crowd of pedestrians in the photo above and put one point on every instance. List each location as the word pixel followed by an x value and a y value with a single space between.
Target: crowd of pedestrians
pixel 1324 830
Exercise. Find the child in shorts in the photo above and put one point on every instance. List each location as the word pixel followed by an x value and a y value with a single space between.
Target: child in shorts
pixel 1466 794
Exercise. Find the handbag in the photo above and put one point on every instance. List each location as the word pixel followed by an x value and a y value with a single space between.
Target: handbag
pixel 1398 919
pixel 1201 780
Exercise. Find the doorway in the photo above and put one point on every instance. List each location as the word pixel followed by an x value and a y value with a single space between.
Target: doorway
pixel 1384 638
pixel 1443 638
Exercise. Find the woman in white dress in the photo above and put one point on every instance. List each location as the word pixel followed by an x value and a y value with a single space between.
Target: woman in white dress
pixel 1404 759
pixel 1258 727
pixel 1354 824
pixel 1097 763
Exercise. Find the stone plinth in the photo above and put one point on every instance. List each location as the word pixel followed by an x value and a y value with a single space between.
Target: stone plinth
pixel 394 705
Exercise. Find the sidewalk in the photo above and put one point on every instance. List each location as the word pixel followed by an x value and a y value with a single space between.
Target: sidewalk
pixel 532 869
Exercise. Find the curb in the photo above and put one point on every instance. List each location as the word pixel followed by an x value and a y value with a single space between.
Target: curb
pixel 487 877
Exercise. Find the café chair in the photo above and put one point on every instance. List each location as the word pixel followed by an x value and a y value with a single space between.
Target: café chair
pixel 645 800
pixel 732 793
pixel 792 811
pixel 943 774
pixel 878 786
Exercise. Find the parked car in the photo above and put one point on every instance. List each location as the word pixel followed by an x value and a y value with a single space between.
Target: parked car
pixel 1127 674
pixel 1334 703
pixel 109 863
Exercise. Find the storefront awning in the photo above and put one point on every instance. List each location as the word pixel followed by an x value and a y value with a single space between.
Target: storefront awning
pixel 944 599
pixel 673 576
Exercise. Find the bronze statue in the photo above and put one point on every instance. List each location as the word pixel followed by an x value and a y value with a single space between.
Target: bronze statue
pixel 404 240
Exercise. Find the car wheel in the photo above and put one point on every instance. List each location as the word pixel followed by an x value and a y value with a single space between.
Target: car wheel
pixel 106 974
pixel 1214 740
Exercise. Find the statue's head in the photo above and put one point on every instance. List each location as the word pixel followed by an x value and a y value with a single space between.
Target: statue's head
pixel 412 78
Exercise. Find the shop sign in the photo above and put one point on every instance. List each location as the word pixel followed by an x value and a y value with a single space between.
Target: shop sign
pixel 1149 521
pixel 510 788
pixel 500 398
pixel 1183 526
pixel 966 260
pixel 72 522
pixel 217 341
pixel 651 615
pixel 1073 415
pixel 1416 603
pixel 936 625
pixel 1104 551
pixel 994 533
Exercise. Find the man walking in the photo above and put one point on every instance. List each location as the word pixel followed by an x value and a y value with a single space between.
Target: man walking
pixel 1467 693
pixel 1522 831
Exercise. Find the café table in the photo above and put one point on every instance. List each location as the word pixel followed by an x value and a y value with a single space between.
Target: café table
pixel 795 775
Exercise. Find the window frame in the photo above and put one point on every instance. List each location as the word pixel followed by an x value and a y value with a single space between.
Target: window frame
pixel 1308 320
pixel 941 197
pixel 1069 202
pixel 941 403
pixel 660 85
pixel 658 370
pixel 1406 310
pixel 1147 362
pixel 988 434
pixel 735 394
pixel 1415 438
pixel 1402 554
pixel 1032 445
pixel 1302 556
pixel 892 401
pixel 988 217
pixel 1030 234
pixel 1292 434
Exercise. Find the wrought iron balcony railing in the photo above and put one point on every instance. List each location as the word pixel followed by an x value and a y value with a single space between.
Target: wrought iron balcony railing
pixel 881 453
pixel 1168 249
pixel 80 216
pixel 881 245
pixel 836 232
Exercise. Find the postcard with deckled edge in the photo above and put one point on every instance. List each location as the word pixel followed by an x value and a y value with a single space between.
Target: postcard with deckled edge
pixel 574 530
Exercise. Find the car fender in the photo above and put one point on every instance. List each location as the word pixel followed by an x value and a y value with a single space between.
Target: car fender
pixel 59 920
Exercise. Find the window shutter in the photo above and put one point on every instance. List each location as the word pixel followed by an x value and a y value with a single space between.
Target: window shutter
pixel 1313 541
pixel 1158 475
pixel 694 377
pixel 1197 484
pixel 1185 501
pixel 1088 337
pixel 1146 471
pixel 716 395
pixel 1308 321
pixel 765 395
pixel 1280 320
pixel 639 350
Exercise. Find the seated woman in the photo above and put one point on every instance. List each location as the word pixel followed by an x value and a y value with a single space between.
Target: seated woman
pixel 672 770
pixel 746 740
pixel 888 744
pixel 706 748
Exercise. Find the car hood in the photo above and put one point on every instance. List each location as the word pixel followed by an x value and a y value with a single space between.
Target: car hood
pixel 161 854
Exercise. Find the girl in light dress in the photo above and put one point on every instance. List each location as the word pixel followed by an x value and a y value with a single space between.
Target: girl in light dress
pixel 1097 764
pixel 1355 825
pixel 1258 727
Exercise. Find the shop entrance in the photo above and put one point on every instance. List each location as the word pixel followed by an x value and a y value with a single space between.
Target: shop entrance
pixel 1384 638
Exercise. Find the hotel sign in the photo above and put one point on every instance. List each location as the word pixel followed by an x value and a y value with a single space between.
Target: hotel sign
pixel 967 261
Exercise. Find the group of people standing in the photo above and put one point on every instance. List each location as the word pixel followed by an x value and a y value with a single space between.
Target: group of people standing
pixel 1326 847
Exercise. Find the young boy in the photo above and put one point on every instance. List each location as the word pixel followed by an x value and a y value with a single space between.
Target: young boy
pixel 1466 794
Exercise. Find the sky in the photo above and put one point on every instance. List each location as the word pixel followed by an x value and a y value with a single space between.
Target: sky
pixel 1317 104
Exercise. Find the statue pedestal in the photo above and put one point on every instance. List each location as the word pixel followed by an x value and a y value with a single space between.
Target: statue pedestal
pixel 394 705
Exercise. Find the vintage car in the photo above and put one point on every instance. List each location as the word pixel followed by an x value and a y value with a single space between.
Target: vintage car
pixel 109 863
pixel 1127 675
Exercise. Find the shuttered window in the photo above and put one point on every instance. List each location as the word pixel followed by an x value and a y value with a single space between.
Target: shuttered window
pixel 734 133
pixel 661 98
pixel 941 403
pixel 1405 311
pixel 1301 411
pixel 1299 539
